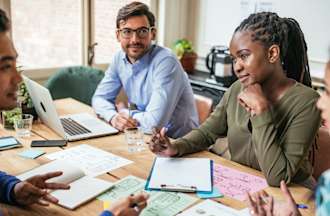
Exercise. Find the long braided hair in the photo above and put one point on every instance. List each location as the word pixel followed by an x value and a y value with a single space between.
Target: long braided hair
pixel 270 29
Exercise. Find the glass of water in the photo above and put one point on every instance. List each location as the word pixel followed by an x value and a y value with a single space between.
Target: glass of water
pixel 134 139
pixel 23 125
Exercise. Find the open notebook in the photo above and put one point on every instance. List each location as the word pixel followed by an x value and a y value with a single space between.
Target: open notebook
pixel 82 188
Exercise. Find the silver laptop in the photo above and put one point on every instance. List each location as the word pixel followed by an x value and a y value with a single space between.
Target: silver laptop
pixel 70 127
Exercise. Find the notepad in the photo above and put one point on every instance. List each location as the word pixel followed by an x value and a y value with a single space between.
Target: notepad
pixel 82 188
pixel 206 195
pixel 32 154
pixel 181 174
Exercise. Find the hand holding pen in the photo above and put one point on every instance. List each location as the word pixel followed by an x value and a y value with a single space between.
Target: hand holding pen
pixel 130 206
pixel 160 143
pixel 123 120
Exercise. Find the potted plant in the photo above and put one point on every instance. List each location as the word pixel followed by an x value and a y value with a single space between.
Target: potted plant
pixel 8 117
pixel 25 106
pixel 186 54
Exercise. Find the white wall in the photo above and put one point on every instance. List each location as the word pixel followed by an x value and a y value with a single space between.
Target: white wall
pixel 217 20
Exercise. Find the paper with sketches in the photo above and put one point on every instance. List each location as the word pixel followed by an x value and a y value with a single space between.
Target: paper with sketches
pixel 91 160
pixel 236 184
pixel 210 208
pixel 123 188
pixel 159 203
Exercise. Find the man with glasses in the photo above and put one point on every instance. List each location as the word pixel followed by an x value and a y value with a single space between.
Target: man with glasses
pixel 35 190
pixel 158 90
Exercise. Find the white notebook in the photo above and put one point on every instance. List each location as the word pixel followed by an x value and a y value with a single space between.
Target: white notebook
pixel 82 188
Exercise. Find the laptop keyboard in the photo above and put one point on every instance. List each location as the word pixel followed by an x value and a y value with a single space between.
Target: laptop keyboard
pixel 72 127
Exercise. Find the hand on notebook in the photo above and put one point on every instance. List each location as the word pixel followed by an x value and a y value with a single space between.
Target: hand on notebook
pixel 121 121
pixel 261 204
pixel 34 189
pixel 130 206
pixel 160 144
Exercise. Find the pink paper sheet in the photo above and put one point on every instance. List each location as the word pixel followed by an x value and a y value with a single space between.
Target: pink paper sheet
pixel 236 184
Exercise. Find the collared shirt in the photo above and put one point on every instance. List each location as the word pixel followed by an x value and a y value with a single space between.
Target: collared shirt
pixel 156 84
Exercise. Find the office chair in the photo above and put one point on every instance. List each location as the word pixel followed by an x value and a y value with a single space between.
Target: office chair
pixel 204 107
pixel 78 82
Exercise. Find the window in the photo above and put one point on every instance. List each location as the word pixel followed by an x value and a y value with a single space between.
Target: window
pixel 105 13
pixel 50 34
pixel 47 33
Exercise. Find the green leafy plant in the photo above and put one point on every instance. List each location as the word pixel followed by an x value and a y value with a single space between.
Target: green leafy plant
pixel 181 47
pixel 9 117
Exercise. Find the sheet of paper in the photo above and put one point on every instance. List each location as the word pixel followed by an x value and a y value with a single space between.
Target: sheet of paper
pixel 159 203
pixel 236 184
pixel 167 204
pixel 123 188
pixel 181 172
pixel 210 207
pixel 91 160
pixel 32 153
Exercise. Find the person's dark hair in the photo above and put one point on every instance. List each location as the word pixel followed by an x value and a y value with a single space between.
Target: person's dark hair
pixel 4 21
pixel 270 29
pixel 135 9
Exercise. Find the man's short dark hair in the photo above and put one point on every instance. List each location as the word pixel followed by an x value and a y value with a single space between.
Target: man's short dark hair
pixel 4 22
pixel 135 9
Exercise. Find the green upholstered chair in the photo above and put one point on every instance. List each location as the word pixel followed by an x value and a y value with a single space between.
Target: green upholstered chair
pixel 77 82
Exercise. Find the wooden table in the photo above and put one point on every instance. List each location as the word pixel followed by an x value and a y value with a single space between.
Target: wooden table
pixel 13 164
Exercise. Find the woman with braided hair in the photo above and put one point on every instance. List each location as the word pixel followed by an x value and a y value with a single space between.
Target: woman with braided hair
pixel 269 114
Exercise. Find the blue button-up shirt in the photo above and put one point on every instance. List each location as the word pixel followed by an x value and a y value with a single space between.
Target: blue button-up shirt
pixel 156 84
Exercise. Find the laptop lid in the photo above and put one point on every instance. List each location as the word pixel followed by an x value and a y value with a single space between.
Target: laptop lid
pixel 44 105
pixel 46 110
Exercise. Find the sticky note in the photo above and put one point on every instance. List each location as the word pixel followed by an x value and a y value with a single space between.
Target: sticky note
pixel 214 194
pixel 32 154
pixel 106 205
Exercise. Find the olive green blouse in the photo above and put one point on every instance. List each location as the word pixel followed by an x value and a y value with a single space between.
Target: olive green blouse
pixel 277 142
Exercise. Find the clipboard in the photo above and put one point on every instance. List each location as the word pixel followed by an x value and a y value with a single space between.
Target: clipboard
pixel 185 178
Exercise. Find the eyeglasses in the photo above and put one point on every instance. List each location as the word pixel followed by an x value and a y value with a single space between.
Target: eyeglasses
pixel 142 32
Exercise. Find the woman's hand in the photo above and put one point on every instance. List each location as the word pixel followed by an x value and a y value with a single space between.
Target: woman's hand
pixel 253 99
pixel 261 204
pixel 160 144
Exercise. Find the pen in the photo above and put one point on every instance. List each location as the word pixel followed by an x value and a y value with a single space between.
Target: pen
pixel 129 109
pixel 167 127
pixel 302 206
pixel 134 204
pixel 181 188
